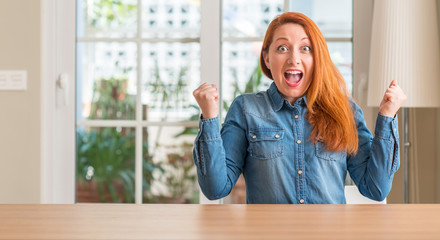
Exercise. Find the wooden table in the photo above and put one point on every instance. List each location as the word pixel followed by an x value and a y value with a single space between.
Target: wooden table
pixel 129 221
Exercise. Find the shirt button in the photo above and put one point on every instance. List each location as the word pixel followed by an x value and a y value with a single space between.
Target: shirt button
pixel 301 201
pixel 298 141
pixel 300 172
pixel 296 116
pixel 277 136
pixel 254 137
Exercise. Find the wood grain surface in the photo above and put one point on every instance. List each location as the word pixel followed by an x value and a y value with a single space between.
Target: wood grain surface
pixel 159 221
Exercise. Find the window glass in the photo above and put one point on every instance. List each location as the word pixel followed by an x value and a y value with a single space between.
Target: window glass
pixel 171 71
pixel 105 165
pixel 171 19
pixel 241 71
pixel 334 18
pixel 245 18
pixel 106 19
pixel 342 56
pixel 169 173
pixel 107 80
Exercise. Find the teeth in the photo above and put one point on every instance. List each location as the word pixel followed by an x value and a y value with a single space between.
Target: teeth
pixel 293 72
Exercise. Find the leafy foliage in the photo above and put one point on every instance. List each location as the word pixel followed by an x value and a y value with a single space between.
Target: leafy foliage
pixel 111 101
pixel 107 155
pixel 252 85
pixel 107 13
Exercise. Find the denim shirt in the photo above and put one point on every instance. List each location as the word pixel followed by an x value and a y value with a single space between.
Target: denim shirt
pixel 268 140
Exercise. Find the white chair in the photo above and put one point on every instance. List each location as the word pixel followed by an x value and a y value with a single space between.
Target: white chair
pixel 353 196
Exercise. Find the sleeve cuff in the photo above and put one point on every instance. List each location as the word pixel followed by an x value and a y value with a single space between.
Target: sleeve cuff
pixel 209 129
pixel 387 127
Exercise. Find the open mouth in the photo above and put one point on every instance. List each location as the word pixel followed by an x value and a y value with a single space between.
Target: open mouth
pixel 293 77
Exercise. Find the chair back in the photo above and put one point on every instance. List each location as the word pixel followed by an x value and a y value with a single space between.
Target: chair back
pixel 353 196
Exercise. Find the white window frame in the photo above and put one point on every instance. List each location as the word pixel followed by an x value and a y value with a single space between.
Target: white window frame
pixel 58 57
pixel 57 119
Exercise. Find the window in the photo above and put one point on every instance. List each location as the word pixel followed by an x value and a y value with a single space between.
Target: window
pixel 138 62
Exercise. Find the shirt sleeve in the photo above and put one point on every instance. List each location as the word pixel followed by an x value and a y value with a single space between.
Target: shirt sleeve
pixel 372 168
pixel 219 155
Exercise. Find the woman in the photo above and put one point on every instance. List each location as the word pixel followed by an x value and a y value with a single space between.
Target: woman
pixel 295 142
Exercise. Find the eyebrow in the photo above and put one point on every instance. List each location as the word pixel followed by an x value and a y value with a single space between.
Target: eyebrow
pixel 281 38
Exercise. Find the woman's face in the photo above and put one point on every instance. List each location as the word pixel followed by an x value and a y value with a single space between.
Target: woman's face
pixel 290 60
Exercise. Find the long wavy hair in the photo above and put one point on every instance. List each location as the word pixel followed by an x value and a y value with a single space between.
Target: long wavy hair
pixel 329 109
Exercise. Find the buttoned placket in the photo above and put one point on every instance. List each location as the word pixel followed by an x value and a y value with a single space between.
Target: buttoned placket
pixel 299 156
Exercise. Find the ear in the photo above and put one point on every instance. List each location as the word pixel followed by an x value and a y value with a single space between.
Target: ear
pixel 266 59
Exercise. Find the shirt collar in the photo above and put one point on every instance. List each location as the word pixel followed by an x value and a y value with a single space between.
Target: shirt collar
pixel 278 100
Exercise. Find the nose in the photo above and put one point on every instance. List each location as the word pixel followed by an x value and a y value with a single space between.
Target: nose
pixel 294 59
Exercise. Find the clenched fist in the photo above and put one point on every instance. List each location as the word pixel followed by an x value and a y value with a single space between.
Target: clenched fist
pixel 207 96
pixel 392 100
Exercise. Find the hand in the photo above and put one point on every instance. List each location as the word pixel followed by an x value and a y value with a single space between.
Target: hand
pixel 392 100
pixel 207 97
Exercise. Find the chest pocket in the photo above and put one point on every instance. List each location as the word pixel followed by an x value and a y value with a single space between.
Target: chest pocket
pixel 265 143
pixel 322 153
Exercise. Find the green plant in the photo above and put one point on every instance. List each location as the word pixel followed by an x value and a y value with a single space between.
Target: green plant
pixel 111 101
pixel 180 176
pixel 169 93
pixel 106 156
pixel 252 85
pixel 106 13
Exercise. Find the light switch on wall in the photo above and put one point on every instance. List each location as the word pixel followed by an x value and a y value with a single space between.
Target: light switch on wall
pixel 12 80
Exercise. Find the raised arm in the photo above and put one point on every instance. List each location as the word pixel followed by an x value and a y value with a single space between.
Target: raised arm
pixel 373 167
pixel 219 156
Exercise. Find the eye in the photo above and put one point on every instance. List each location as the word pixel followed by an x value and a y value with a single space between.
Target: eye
pixel 282 48
pixel 306 48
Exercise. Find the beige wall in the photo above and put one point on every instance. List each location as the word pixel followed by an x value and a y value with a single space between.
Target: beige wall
pixel 425 152
pixel 20 110
pixel 423 158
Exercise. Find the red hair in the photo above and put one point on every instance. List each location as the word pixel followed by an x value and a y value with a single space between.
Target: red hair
pixel 329 109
